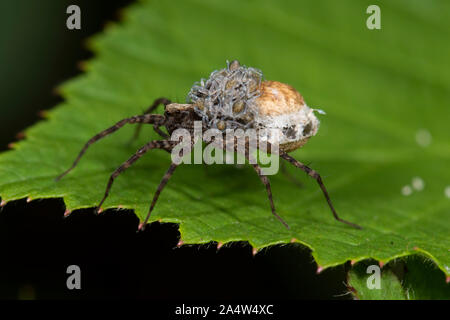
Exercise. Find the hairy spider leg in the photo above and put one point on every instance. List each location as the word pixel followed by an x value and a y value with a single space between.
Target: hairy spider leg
pixel 156 144
pixel 161 186
pixel 317 177
pixel 150 109
pixel 257 167
pixel 266 182
pixel 148 118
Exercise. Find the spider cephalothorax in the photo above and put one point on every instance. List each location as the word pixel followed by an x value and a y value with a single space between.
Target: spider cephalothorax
pixel 235 97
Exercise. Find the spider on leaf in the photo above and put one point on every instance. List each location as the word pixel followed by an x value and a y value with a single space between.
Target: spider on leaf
pixel 235 97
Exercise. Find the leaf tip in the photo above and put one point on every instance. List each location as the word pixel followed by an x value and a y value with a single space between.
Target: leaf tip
pixel 254 251
pixel 319 269
pixel 2 203
pixel 180 243
pixel 447 279
pixel 141 226
pixel 219 245
pixel 67 213
pixel 381 264
pixel 29 200
pixel 293 240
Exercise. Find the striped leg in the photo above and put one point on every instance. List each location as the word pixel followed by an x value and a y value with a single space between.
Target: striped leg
pixel 150 109
pixel 166 145
pixel 317 177
pixel 149 118
pixel 266 182
pixel 161 186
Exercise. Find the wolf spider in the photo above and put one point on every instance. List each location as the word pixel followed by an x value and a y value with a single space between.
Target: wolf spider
pixel 243 103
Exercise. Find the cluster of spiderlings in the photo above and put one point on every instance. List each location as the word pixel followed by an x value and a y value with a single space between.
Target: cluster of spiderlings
pixel 225 99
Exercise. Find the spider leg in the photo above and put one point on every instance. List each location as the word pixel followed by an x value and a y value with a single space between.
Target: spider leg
pixel 149 118
pixel 291 177
pixel 226 145
pixel 161 186
pixel 156 144
pixel 156 103
pixel 150 109
pixel 266 182
pixel 158 131
pixel 317 177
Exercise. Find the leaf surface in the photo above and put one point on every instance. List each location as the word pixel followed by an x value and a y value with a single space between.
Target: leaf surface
pixel 408 278
pixel 385 92
pixel 365 286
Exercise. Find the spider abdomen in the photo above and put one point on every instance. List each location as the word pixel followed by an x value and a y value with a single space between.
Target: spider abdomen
pixel 281 108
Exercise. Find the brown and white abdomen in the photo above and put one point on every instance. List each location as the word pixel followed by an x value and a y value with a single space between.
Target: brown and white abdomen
pixel 281 108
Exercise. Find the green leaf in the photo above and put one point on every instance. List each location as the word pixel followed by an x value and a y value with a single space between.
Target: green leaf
pixel 407 278
pixel 423 281
pixel 364 287
pixel 383 90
